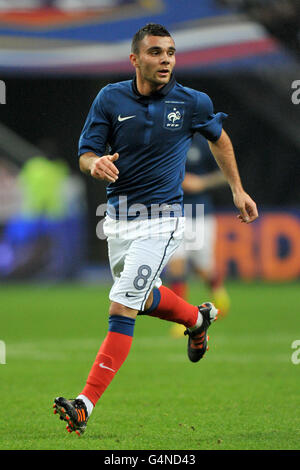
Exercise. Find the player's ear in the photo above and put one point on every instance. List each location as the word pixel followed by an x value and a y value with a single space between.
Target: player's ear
pixel 134 59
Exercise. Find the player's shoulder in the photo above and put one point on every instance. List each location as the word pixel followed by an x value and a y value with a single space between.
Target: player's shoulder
pixel 199 97
pixel 122 85
pixel 110 89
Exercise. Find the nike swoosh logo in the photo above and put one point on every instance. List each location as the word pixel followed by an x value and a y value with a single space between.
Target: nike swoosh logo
pixel 128 295
pixel 105 367
pixel 124 118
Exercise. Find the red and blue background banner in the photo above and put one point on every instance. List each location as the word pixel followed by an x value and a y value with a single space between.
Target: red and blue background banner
pixel 97 41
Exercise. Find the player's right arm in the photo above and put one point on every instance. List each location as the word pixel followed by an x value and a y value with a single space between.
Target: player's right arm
pixel 100 168
pixel 93 141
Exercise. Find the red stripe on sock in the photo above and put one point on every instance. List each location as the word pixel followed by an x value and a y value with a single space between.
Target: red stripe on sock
pixel 173 308
pixel 111 355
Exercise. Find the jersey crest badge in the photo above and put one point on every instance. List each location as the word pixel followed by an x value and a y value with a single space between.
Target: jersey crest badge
pixel 173 118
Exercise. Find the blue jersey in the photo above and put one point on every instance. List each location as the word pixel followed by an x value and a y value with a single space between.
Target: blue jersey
pixel 200 161
pixel 152 135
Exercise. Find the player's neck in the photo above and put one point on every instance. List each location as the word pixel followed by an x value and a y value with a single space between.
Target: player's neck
pixel 147 88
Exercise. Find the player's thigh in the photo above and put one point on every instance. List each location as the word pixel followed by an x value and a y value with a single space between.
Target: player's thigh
pixel 144 261
pixel 118 244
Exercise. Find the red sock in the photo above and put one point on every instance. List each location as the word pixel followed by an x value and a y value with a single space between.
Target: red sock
pixel 171 307
pixel 180 289
pixel 112 353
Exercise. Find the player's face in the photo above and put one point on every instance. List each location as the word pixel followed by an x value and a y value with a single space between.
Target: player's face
pixel 155 61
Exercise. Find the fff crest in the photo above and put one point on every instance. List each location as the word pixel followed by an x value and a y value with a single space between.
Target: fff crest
pixel 173 118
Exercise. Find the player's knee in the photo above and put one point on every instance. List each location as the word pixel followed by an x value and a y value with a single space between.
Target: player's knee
pixel 122 310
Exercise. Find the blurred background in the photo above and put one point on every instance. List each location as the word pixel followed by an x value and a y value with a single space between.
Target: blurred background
pixel 55 55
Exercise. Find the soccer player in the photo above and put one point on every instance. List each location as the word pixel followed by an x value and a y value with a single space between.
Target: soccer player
pixel 147 125
pixel 202 175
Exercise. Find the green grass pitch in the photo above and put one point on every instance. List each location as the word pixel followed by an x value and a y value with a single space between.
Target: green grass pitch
pixel 244 394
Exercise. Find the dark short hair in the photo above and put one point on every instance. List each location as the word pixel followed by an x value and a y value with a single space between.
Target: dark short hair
pixel 151 29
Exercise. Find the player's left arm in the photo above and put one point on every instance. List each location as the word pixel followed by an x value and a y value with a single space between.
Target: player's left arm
pixel 223 153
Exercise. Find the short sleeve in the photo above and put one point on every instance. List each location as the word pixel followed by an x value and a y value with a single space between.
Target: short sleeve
pixel 204 120
pixel 94 135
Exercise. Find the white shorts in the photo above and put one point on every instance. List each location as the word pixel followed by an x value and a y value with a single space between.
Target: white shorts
pixel 204 256
pixel 138 251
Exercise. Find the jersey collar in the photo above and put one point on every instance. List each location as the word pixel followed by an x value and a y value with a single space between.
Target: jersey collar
pixel 159 93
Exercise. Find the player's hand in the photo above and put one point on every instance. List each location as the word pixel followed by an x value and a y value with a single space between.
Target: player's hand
pixel 247 207
pixel 103 168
